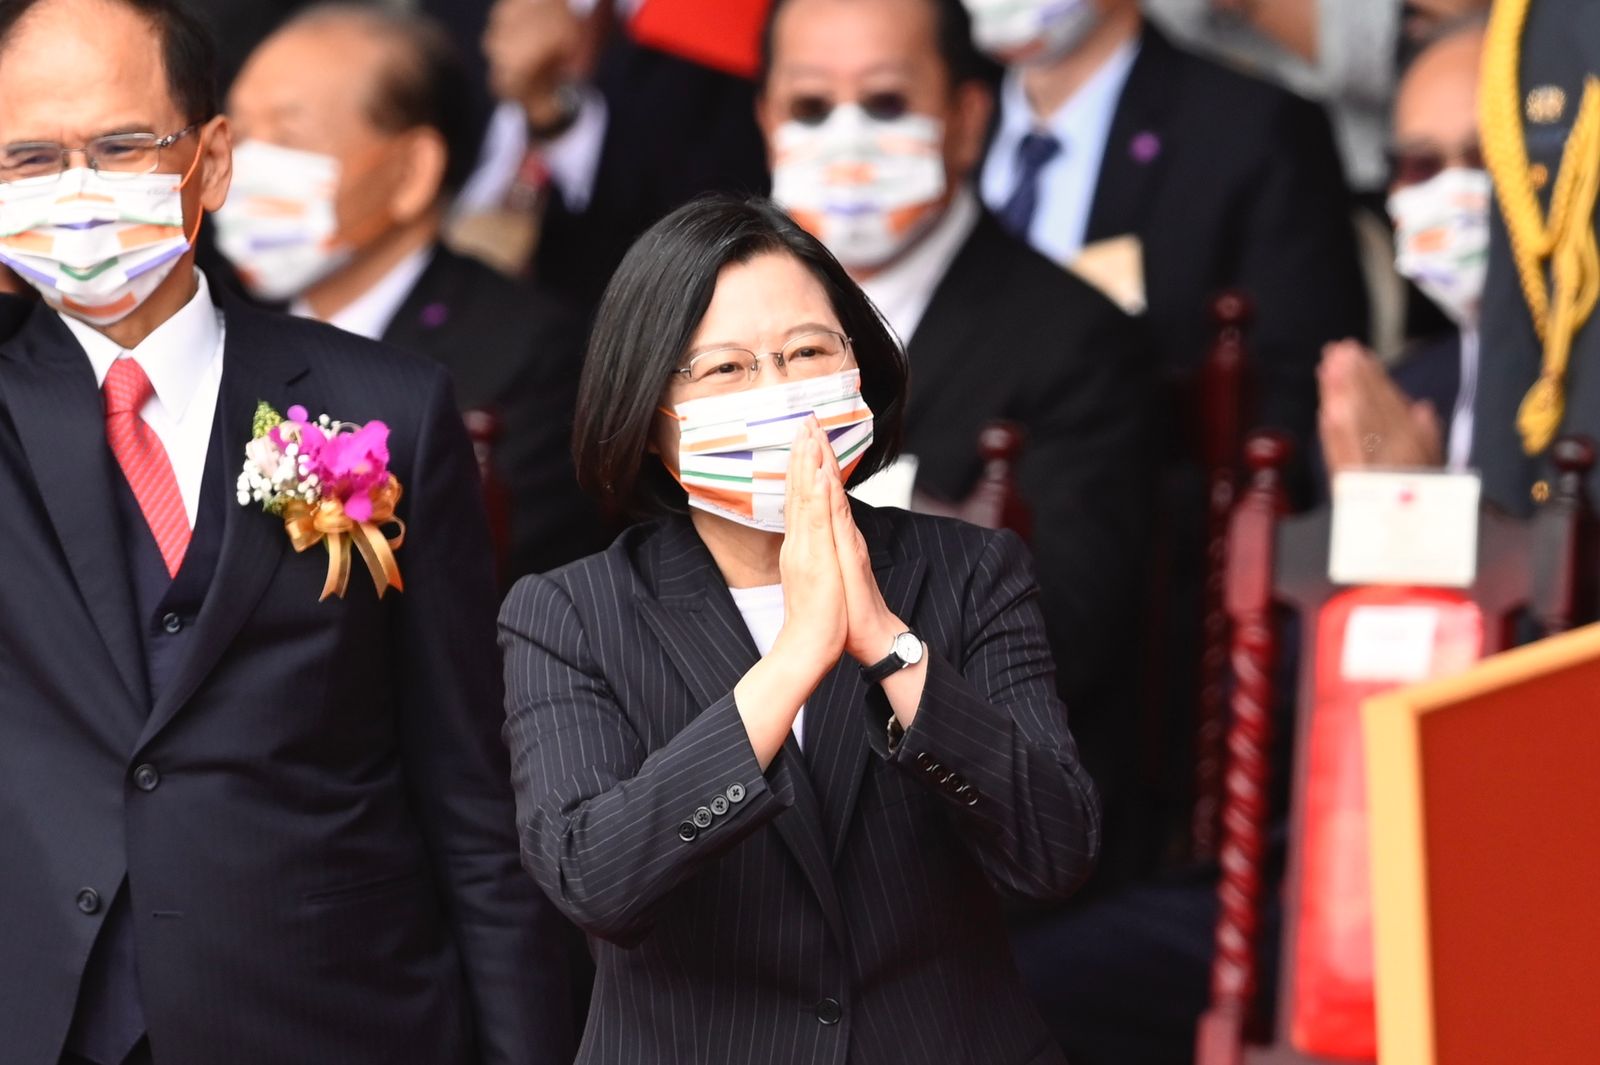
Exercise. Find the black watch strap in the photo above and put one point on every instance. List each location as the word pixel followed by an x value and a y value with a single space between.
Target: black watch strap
pixel 889 664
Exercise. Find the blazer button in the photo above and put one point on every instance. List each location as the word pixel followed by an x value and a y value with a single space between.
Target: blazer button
pixel 924 760
pixel 145 778
pixel 687 832
pixel 972 796
pixel 89 901
pixel 719 805
pixel 735 793
pixel 829 1011
pixel 702 817
pixel 173 624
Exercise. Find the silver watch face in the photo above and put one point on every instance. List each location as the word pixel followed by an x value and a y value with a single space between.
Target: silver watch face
pixel 907 648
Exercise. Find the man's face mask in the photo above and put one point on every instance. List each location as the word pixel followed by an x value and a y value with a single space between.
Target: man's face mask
pixel 1442 239
pixel 733 450
pixel 278 228
pixel 866 187
pixel 1031 31
pixel 95 245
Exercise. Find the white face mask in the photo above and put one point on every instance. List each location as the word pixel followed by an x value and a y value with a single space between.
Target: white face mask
pixel 733 450
pixel 865 187
pixel 1441 239
pixel 94 247
pixel 278 227
pixel 1031 31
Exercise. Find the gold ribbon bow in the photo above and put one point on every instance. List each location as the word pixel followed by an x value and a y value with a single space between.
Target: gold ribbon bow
pixel 326 522
pixel 1565 238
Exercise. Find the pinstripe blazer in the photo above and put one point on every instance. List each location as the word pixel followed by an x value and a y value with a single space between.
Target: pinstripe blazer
pixel 843 906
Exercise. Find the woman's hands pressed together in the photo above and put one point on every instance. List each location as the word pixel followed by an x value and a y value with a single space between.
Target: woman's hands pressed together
pixel 832 603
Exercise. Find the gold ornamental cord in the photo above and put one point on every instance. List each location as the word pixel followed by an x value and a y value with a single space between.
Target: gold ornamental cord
pixel 1566 238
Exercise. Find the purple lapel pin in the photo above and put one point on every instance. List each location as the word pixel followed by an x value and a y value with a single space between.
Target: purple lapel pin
pixel 1144 147
pixel 434 315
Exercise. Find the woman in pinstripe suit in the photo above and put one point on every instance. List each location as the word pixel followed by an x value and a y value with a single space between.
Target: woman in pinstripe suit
pixel 785 780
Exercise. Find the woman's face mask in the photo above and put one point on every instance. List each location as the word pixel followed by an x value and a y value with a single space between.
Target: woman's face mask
pixel 95 246
pixel 866 187
pixel 1031 31
pixel 733 450
pixel 279 228
pixel 1442 239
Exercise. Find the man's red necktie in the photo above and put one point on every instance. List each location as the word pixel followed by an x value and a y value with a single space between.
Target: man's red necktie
pixel 144 461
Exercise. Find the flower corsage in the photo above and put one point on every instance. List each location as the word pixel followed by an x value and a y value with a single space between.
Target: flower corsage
pixel 330 483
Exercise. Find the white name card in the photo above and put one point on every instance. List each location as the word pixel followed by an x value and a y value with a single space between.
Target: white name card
pixel 1405 527
pixel 1389 644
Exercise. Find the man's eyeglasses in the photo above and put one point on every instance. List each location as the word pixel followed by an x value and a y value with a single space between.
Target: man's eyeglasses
pixel 1409 167
pixel 113 156
pixel 732 369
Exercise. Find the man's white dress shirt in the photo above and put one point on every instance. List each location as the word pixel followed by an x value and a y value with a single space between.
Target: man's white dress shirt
pixel 369 314
pixel 1066 183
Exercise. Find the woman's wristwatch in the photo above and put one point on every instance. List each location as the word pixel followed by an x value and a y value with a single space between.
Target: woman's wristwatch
pixel 906 650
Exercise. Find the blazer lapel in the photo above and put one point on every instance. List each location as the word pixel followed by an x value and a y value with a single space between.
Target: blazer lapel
pixel 709 644
pixel 1136 149
pixel 836 716
pixel 55 404
pixel 955 316
pixel 253 543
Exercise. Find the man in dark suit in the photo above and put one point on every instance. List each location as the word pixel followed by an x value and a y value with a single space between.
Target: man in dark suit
pixel 379 101
pixel 1170 179
pixel 242 825
pixel 991 329
pixel 1535 99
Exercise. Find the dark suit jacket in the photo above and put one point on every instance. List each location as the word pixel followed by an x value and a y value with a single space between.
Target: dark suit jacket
pixel 1561 45
pixel 327 870
pixel 674 130
pixel 1010 335
pixel 511 348
pixel 843 906
pixel 1233 183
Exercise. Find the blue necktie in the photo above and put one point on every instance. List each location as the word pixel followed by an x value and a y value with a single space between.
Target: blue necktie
pixel 1034 151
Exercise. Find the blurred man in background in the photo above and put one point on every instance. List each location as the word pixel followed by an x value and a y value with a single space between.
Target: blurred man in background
pixel 355 131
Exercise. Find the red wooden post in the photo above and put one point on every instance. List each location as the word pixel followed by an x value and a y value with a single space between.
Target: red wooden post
pixel 1248 601
pixel 1000 445
pixel 1222 418
pixel 484 428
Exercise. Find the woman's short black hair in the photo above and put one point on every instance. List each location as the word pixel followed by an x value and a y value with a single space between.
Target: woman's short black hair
pixel 648 318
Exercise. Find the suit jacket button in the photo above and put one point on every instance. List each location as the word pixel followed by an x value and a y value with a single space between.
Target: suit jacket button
pixel 702 817
pixel 829 1011
pixel 735 793
pixel 972 796
pixel 173 624
pixel 719 805
pixel 145 778
pixel 89 901
pixel 924 760
pixel 687 832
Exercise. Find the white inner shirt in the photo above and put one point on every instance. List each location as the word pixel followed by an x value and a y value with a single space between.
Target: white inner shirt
pixel 1458 437
pixel 369 314
pixel 762 609
pixel 1067 183
pixel 183 359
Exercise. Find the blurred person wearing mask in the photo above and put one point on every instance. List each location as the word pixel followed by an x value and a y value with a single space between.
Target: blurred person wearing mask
pixel 875 115
pixel 354 132
pixel 245 823
pixel 1439 200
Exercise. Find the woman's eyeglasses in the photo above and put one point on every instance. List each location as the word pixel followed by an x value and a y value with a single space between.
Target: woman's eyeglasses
pixel 733 369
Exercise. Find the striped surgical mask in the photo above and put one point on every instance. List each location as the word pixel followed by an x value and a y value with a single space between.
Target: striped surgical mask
pixel 733 450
